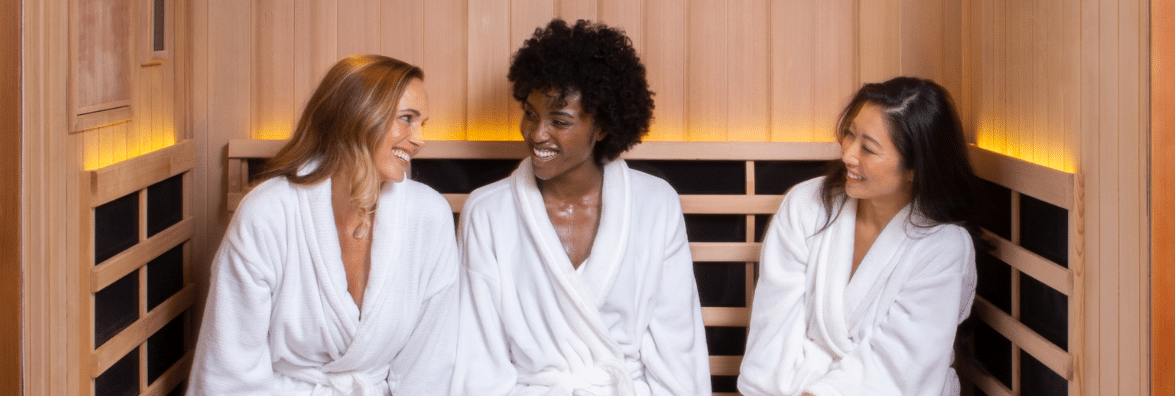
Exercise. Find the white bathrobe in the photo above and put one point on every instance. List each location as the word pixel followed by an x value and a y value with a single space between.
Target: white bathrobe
pixel 889 330
pixel 627 321
pixel 280 321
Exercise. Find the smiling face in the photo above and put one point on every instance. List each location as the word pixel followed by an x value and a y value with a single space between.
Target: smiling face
pixel 561 136
pixel 402 140
pixel 873 163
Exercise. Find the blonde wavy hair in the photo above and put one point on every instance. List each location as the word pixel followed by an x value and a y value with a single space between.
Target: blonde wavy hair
pixel 346 118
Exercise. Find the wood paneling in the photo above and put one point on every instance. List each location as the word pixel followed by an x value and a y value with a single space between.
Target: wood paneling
pixel 10 198
pixel 1162 155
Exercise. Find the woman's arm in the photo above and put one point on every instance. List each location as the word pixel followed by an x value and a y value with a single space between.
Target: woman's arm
pixel 673 349
pixel 483 363
pixel 778 314
pixel 233 355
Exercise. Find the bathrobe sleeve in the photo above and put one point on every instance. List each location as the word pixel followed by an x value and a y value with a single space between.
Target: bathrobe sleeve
pixel 484 365
pixel 674 348
pixel 425 364
pixel 233 355
pixel 911 350
pixel 778 315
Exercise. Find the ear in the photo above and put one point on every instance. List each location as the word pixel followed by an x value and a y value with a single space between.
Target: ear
pixel 600 134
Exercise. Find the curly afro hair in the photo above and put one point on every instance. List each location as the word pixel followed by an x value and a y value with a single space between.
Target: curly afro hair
pixel 600 64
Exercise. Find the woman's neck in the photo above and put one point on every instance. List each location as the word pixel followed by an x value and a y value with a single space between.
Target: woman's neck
pixel 575 184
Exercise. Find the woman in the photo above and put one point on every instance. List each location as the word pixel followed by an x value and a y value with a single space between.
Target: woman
pixel 337 276
pixel 577 275
pixel 868 270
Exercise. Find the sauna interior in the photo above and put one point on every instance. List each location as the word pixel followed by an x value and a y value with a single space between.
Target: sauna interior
pixel 131 128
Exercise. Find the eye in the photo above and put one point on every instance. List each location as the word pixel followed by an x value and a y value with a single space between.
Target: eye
pixel 529 115
pixel 561 123
pixel 406 118
pixel 867 150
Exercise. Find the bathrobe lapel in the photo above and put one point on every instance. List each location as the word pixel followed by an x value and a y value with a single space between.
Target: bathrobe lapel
pixel 844 301
pixel 355 331
pixel 581 294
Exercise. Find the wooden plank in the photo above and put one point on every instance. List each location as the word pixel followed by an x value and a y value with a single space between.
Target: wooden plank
pixel 1133 365
pixel 1108 152
pixel 880 40
pixel 836 69
pixel 1077 302
pixel 490 46
pixel 730 204
pixel 726 317
pixel 725 365
pixel 117 180
pixel 445 68
pixel 1052 356
pixel 572 10
pixel 174 376
pixel 1162 195
pixel 748 96
pixel 137 333
pixel 627 15
pixel 1087 143
pixel 274 109
pixel 137 256
pixel 746 151
pixel 985 381
pixel 401 26
pixel 1040 182
pixel 725 251
pixel 663 55
pixel 706 98
pixel 1055 276
pixel 793 70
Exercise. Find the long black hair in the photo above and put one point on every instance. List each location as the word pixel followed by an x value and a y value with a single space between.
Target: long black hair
pixel 927 133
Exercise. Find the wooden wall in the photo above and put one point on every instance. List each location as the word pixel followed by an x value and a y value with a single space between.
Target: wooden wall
pixel 1163 195
pixel 53 159
pixel 1065 84
pixel 10 193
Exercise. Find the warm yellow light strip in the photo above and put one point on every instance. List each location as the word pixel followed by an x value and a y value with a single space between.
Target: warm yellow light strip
pixel 997 138
pixel 116 143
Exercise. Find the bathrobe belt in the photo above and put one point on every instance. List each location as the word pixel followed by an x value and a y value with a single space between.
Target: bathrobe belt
pixel 611 374
pixel 346 383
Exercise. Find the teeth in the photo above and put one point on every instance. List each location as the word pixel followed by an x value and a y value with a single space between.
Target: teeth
pixel 855 177
pixel 402 155
pixel 544 153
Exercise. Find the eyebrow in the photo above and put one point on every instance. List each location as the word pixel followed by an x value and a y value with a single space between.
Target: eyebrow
pixel 526 105
pixel 413 111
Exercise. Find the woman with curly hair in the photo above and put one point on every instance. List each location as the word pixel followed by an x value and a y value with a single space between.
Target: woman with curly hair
pixel 867 272
pixel 577 277
pixel 337 275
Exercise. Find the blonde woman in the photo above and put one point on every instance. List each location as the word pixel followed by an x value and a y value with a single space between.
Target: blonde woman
pixel 337 275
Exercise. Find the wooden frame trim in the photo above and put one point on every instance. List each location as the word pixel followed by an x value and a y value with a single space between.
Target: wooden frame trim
pixel 171 378
pixel 138 256
pixel 1050 355
pixel 985 381
pixel 1040 182
pixel 727 316
pixel 1055 276
pixel 137 333
pixel 116 180
pixel 725 251
pixel 725 365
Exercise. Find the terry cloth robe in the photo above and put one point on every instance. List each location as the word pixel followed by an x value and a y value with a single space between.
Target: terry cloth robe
pixel 889 330
pixel 279 319
pixel 627 321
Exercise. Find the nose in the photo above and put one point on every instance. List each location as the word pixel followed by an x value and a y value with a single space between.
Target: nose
pixel 417 140
pixel 535 132
pixel 849 153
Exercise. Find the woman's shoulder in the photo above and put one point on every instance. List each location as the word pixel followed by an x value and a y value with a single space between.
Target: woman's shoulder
pixel 270 197
pixel 423 197
pixel 493 195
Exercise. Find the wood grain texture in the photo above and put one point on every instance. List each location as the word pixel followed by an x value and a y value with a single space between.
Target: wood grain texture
pixel 1162 183
pixel 708 85
pixel 664 55
pixel 10 199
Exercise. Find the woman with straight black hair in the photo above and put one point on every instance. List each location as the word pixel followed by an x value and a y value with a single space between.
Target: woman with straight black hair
pixel 866 272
